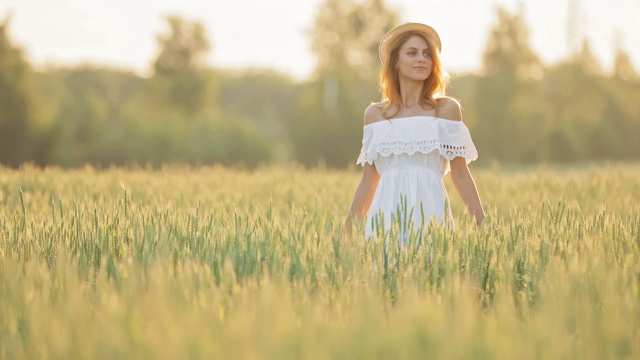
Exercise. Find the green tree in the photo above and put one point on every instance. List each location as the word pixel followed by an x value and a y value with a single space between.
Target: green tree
pixel 228 139
pixel 620 120
pixel 90 124
pixel 508 51
pixel 180 72
pixel 16 101
pixel 344 39
pixel 587 60
pixel 511 121
pixel 267 99
pixel 346 34
pixel 575 96
pixel 623 68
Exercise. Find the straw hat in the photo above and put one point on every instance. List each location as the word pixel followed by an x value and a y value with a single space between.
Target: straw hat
pixel 425 30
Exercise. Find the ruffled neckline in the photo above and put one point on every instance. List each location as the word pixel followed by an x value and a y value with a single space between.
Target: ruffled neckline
pixel 417 134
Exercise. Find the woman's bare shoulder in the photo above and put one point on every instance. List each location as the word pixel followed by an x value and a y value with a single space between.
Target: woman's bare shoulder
pixel 374 112
pixel 449 108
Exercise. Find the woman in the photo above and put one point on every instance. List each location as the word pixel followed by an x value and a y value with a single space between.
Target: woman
pixel 412 139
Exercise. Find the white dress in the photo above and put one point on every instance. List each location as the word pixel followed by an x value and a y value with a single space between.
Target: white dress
pixel 412 155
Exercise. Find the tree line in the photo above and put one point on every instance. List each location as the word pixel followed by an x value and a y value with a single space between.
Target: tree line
pixel 519 110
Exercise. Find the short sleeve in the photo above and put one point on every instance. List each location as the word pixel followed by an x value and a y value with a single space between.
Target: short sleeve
pixel 364 158
pixel 455 141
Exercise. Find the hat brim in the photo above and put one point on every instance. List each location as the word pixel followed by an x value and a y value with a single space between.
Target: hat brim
pixel 426 30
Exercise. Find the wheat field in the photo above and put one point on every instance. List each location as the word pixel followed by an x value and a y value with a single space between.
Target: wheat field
pixel 217 263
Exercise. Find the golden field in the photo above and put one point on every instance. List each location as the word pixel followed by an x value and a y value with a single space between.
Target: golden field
pixel 217 263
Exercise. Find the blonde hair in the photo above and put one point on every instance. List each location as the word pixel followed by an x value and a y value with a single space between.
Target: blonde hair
pixel 434 86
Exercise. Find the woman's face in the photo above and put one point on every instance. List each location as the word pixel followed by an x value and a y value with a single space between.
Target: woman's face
pixel 414 59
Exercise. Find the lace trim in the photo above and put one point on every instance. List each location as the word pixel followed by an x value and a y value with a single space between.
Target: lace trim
pixel 388 148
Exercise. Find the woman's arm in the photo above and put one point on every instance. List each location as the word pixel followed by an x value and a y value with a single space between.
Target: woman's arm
pixel 362 198
pixel 463 181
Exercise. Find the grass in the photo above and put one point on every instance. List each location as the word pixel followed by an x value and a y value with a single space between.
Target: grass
pixel 222 263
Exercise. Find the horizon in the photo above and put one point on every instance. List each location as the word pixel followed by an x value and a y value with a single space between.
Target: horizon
pixel 50 37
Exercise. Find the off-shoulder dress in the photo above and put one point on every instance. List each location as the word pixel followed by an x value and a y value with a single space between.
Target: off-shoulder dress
pixel 412 155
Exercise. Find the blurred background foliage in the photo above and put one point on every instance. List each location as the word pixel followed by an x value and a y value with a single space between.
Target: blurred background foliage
pixel 519 110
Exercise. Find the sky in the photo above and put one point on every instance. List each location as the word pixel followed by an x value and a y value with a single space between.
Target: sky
pixel 273 33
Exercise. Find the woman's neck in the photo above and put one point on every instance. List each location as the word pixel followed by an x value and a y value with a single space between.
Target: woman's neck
pixel 411 91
